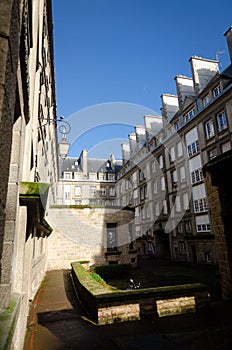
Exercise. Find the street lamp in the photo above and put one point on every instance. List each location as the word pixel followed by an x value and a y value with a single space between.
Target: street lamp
pixel 64 129
pixel 64 145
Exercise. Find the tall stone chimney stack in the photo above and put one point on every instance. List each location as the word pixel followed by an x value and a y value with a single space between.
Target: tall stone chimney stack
pixel 84 160
pixel 228 35
pixel 112 161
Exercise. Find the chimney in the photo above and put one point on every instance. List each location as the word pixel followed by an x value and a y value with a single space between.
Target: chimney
pixel 203 70
pixel 184 87
pixel 83 159
pixel 153 125
pixel 228 35
pixel 125 152
pixel 140 136
pixel 112 161
pixel 133 144
pixel 169 108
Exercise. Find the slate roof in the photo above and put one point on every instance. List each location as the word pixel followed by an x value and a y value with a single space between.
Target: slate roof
pixel 94 165
pixel 69 164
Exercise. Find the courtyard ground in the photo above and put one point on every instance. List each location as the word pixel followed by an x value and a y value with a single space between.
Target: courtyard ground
pixel 58 322
pixel 163 272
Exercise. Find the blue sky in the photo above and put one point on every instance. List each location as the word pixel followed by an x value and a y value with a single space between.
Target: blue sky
pixel 126 53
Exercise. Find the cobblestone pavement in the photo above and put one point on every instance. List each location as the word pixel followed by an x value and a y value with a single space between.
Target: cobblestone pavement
pixel 57 322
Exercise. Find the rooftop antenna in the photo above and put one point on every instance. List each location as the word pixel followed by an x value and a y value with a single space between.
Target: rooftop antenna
pixel 218 53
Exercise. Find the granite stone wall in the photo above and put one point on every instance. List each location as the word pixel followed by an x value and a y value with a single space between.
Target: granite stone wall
pixel 80 234
pixel 9 53
pixel 219 188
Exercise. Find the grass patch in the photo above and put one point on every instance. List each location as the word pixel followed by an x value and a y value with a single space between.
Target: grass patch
pixel 91 280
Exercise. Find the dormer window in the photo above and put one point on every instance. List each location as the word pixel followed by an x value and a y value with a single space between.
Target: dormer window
pixel 206 101
pixel 111 177
pixel 101 176
pixel 177 125
pixel 217 91
pixel 67 175
pixel 189 115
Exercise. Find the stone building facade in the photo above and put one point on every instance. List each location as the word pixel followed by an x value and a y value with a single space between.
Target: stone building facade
pixel 29 169
pixel 162 176
pixel 87 181
pixel 100 236
pixel 217 173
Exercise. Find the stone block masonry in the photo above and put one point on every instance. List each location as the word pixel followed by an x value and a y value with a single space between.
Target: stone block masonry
pixel 219 190
pixel 105 306
pixel 80 234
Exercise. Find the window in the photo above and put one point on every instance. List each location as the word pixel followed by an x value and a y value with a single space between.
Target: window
pixel 141 175
pixel 155 187
pixel 67 176
pixel 143 192
pixel 165 208
pixel 207 257
pixel 101 176
pixel 203 228
pixel 153 166
pixel 157 209
pixel 66 195
pixel 179 149
pixel 162 183
pixel 92 191
pixel 206 100
pixel 174 178
pixel 177 203
pixel 200 205
pixel 212 153
pixel 92 176
pixel 179 227
pixel 160 161
pixel 147 211
pixel 186 201
pixel 217 91
pixel 67 191
pixel 193 148
pixel 181 247
pixel 209 129
pixel 172 155
pixel 182 174
pixel 111 177
pixel 197 175
pixel 77 190
pixel 134 179
pixel 188 226
pixel 189 115
pixel 221 121
pixel 77 176
pixel 111 237
pixel 226 146
pixel 177 125
pixel 112 191
pixel 127 184
pixel 102 191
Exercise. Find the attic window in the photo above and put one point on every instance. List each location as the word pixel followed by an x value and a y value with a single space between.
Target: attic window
pixel 217 91
pixel 189 115
pixel 206 100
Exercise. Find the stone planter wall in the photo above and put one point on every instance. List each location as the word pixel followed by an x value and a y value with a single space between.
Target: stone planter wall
pixel 104 305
